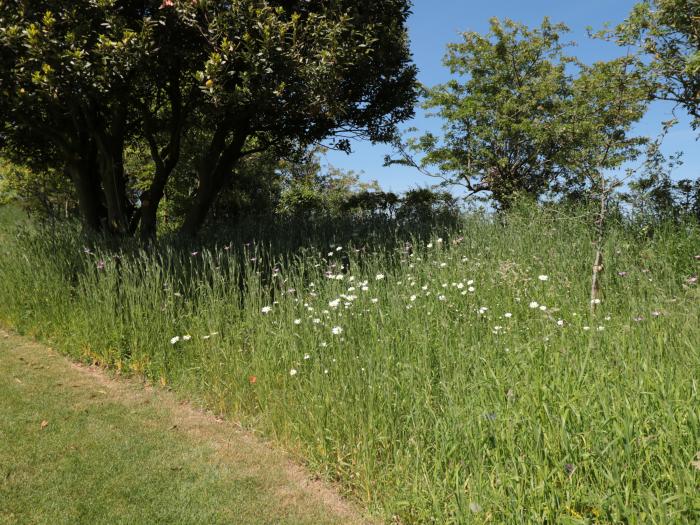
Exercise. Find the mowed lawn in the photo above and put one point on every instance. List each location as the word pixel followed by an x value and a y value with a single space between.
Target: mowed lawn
pixel 78 447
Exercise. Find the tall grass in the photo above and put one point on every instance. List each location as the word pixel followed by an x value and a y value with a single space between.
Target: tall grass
pixel 427 380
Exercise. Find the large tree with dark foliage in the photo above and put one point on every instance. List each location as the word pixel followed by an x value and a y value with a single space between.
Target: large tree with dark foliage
pixel 81 80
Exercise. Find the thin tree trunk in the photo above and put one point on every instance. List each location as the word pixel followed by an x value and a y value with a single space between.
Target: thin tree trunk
pixel 165 163
pixel 600 239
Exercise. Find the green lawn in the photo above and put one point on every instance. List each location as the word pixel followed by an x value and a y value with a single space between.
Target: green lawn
pixel 78 448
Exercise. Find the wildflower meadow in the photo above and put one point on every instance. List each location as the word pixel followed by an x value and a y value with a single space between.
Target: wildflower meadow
pixel 461 377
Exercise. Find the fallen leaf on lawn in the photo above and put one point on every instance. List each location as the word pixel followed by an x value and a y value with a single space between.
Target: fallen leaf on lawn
pixel 44 424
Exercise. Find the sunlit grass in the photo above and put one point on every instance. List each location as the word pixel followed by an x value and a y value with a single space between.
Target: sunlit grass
pixel 448 383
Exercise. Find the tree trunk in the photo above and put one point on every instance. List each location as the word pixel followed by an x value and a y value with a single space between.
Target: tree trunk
pixel 599 240
pixel 108 133
pixel 85 176
pixel 149 205
pixel 212 178
pixel 209 188
pixel 111 163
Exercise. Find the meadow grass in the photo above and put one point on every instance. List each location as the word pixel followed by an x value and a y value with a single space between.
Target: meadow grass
pixel 462 381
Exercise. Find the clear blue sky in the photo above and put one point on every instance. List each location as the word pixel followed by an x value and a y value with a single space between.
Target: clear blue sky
pixel 435 23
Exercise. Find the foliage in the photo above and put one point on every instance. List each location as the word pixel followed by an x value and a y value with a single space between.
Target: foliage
pixel 523 117
pixel 437 402
pixel 81 80
pixel 655 197
pixel 668 32
pixel 44 193
pixel 311 193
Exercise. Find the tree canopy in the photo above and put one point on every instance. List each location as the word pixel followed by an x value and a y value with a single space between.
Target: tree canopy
pixel 80 81
pixel 521 115
pixel 668 33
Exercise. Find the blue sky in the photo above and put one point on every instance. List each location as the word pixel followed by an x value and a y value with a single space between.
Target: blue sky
pixel 435 23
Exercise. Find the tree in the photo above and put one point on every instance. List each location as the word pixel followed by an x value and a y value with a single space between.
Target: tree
pixel 45 194
pixel 309 192
pixel 65 75
pixel 82 79
pixel 519 112
pixel 668 32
